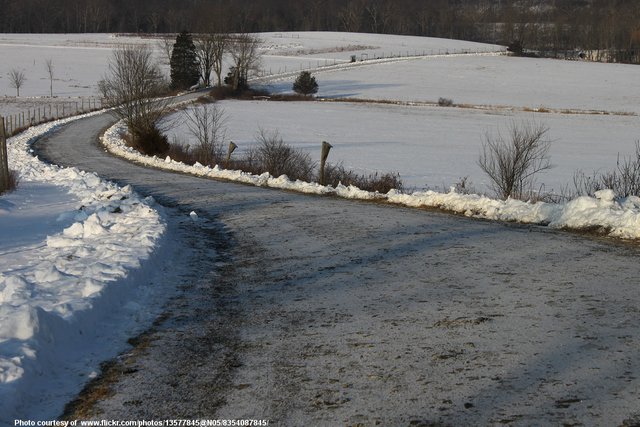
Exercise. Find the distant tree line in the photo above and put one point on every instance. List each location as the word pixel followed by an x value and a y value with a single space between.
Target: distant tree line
pixel 543 25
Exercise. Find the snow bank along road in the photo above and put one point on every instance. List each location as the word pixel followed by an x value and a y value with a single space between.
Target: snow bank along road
pixel 321 311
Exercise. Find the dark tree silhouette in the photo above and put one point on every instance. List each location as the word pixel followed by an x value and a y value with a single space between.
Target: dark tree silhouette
pixel 184 62
pixel 305 84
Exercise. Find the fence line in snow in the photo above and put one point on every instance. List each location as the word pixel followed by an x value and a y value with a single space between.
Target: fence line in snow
pixel 321 64
pixel 17 122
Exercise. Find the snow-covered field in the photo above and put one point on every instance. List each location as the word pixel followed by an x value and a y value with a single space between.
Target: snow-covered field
pixel 490 80
pixel 69 241
pixel 290 52
pixel 431 147
pixel 80 60
pixel 614 216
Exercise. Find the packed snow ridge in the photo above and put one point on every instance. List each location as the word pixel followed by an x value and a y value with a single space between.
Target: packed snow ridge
pixel 605 213
pixel 52 299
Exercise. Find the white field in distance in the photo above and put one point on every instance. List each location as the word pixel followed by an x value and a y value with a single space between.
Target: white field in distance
pixel 80 60
pixel 429 147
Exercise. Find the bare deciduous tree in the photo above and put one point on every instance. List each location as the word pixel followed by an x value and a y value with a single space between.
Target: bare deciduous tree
pixel 350 16
pixel 166 47
pixel 220 46
pixel 205 52
pixel 512 162
pixel 49 65
pixel 132 87
pixel 16 79
pixel 245 55
pixel 207 124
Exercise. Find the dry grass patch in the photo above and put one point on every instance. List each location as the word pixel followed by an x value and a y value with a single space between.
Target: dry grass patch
pixel 14 180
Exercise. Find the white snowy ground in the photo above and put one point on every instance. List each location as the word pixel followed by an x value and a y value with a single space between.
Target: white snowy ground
pixel 68 266
pixel 80 60
pixel 290 52
pixel 431 147
pixel 498 81
pixel 617 217
pixel 69 243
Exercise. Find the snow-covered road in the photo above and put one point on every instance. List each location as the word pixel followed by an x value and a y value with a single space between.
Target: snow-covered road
pixel 321 311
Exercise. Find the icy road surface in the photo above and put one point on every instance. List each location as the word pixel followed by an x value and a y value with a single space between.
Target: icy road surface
pixel 330 312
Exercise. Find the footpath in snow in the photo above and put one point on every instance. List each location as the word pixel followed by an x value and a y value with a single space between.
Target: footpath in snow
pixel 69 243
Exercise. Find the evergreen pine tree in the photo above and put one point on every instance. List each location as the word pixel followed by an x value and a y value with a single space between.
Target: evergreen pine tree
pixel 184 62
pixel 305 84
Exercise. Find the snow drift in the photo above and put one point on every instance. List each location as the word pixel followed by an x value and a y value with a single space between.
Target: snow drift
pixel 606 213
pixel 58 302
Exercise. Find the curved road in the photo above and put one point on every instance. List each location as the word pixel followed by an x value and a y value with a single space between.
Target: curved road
pixel 321 311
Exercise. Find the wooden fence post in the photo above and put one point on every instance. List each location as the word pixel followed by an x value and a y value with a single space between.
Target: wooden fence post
pixel 4 162
pixel 323 158
pixel 232 148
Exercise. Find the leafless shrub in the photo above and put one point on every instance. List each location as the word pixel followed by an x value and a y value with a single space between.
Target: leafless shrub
pixel 624 180
pixel 246 163
pixel 165 44
pixel 289 97
pixel 627 175
pixel 12 183
pixel 219 93
pixel 587 185
pixel 148 141
pixel 464 186
pixel 382 183
pixel 210 50
pixel 16 79
pixel 207 124
pixel 555 198
pixel 273 155
pixel 445 102
pixel 50 72
pixel 181 152
pixel 132 87
pixel 542 194
pixel 512 162
pixel 245 56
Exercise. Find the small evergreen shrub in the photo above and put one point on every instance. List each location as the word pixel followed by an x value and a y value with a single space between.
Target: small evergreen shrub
pixel 305 84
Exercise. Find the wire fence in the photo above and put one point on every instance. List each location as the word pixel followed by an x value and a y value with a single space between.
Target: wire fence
pixel 18 122
pixel 370 58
